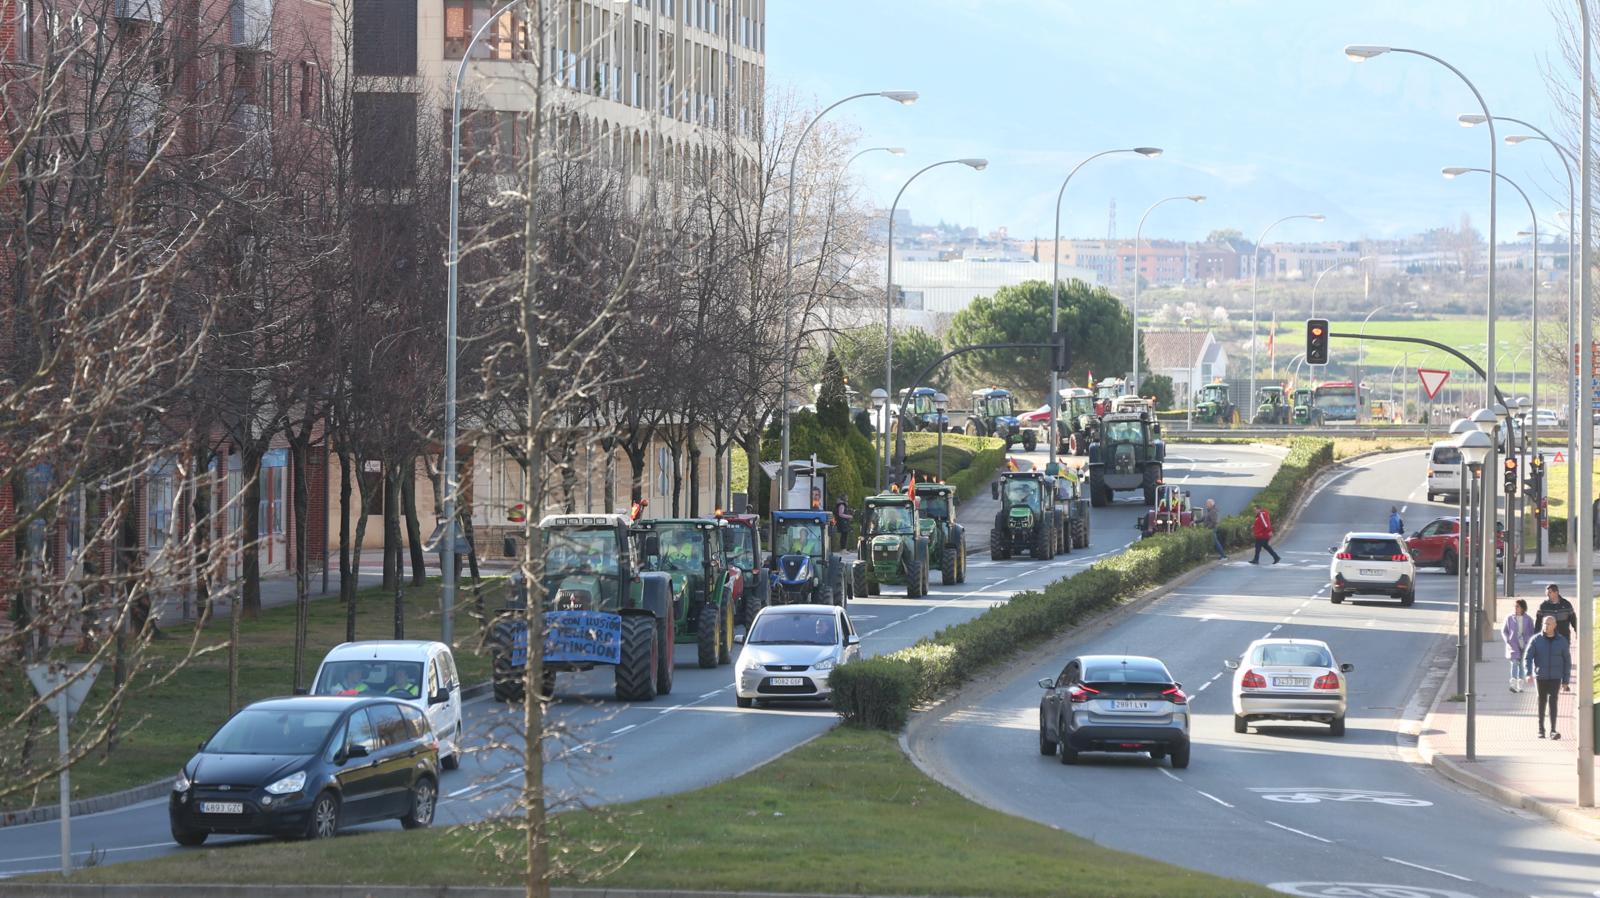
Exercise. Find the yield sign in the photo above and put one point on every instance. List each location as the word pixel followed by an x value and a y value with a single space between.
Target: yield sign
pixel 1560 458
pixel 1432 380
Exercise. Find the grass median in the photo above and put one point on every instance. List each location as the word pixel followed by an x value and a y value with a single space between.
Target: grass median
pixel 847 813
pixel 162 722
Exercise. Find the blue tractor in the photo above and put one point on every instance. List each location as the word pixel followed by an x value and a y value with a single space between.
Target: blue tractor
pixel 803 565
pixel 995 415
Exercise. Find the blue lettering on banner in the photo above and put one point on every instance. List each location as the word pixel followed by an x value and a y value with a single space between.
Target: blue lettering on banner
pixel 593 637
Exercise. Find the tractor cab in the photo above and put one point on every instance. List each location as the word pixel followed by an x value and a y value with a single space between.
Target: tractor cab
pixel 1272 406
pixel 741 547
pixel 1301 402
pixel 1076 402
pixel 893 545
pixel 589 561
pixel 936 502
pixel 803 565
pixel 706 589
pixel 919 412
pixel 994 415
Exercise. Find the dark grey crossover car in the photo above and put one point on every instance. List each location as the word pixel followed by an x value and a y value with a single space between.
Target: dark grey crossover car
pixel 1114 703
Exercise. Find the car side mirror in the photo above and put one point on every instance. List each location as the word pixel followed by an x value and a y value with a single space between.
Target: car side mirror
pixel 1231 663
pixel 1333 550
pixel 1417 535
pixel 994 490
pixel 439 697
pixel 853 639
pixel 355 751
pixel 1346 667
pixel 1047 683
pixel 200 747
pixel 301 690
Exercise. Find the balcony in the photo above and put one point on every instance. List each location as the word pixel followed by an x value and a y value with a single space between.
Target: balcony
pixel 249 25
pixel 147 11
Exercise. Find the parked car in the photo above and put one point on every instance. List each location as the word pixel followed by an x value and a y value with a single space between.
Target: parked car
pixel 791 650
pixel 1438 544
pixel 1288 679
pixel 418 672
pixel 305 767
pixel 1444 472
pixel 1114 703
pixel 1372 564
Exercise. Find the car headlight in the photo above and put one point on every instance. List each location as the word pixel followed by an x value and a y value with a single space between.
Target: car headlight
pixel 181 784
pixel 824 664
pixel 294 782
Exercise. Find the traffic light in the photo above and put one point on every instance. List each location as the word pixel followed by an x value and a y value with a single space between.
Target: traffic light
pixel 1511 476
pixel 1316 341
pixel 1060 353
pixel 1534 482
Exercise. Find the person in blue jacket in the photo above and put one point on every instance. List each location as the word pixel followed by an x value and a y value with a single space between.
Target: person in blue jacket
pixel 1396 525
pixel 1548 661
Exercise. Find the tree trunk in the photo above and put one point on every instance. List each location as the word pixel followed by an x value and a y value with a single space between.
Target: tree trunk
pixel 611 477
pixel 393 553
pixel 675 447
pixel 200 525
pixel 347 580
pixel 250 598
pixel 752 458
pixel 636 468
pixel 408 493
pixel 694 477
pixel 464 521
pixel 299 449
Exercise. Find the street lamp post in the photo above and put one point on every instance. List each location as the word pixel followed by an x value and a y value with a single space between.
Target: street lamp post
pixel 1255 285
pixel 1490 422
pixel 941 403
pixel 888 294
pixel 1464 564
pixel 880 400
pixel 1138 236
pixel 1476 446
pixel 1055 278
pixel 1325 272
pixel 904 98
pixel 1581 540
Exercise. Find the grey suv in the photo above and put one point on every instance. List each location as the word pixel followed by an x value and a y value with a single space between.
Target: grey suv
pixel 1114 703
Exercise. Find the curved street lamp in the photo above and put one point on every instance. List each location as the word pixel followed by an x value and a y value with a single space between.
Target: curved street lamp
pixel 1138 235
pixel 1255 284
pixel 888 297
pixel 1331 268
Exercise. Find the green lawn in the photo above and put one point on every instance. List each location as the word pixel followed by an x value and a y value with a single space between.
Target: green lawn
pixel 844 814
pixel 1466 333
pixel 163 722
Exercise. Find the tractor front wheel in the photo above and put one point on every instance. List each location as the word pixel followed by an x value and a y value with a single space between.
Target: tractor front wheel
pixel 961 575
pixel 1044 541
pixel 1029 441
pixel 913 578
pixel 725 643
pixel 707 637
pixel 636 671
pixel 1099 496
pixel 949 568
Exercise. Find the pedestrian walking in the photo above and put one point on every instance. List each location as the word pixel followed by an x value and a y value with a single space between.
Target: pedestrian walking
pixel 1516 632
pixel 1262 531
pixel 1548 663
pixel 1397 525
pixel 1208 520
pixel 843 517
pixel 1556 605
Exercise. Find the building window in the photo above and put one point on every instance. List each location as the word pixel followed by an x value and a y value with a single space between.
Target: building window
pixel 386 37
pixel 158 499
pixel 25 14
pixel 308 80
pixel 286 89
pixel 385 139
pixel 507 39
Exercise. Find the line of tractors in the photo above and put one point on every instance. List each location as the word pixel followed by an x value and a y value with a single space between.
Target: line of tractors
pixel 1275 405
pixel 1118 433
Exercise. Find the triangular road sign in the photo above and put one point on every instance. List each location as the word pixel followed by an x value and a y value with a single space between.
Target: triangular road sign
pixel 1560 458
pixel 1432 380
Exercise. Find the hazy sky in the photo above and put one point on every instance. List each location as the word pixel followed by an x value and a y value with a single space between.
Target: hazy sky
pixel 1253 101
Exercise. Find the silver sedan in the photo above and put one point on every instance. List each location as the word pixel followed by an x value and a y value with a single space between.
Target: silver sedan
pixel 1288 679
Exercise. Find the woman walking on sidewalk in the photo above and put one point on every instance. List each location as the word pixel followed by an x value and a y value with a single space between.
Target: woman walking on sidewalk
pixel 1516 632
pixel 1548 663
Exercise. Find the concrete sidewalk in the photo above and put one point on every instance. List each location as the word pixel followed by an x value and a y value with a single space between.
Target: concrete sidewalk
pixel 1513 765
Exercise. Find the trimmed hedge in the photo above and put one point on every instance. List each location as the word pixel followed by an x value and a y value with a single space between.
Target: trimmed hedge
pixel 880 692
pixel 971 480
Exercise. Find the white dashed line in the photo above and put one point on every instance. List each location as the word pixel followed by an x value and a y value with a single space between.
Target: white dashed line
pixel 1429 869
pixel 1215 799
pixel 624 729
pixel 710 694
pixel 1216 676
pixel 1203 686
pixel 1169 774
pixel 1299 832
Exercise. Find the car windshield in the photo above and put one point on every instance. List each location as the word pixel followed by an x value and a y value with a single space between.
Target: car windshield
pixel 895 519
pixel 793 628
pixel 1446 455
pixel 367 676
pixel 682 549
pixel 1132 670
pixel 799 538
pixel 936 507
pixel 299 731
pixel 1122 431
pixel 1373 548
pixel 1285 655
pixel 740 544
pixel 588 551
pixel 1023 492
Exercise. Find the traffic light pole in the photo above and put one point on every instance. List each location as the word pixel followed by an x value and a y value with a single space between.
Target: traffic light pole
pixel 1384 338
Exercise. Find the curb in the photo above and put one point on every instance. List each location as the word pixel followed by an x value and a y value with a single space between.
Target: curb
pixel 112 801
pixel 1459 773
pixel 91 890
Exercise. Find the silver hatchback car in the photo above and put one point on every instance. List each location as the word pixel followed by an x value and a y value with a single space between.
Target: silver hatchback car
pixel 1288 679
pixel 1115 703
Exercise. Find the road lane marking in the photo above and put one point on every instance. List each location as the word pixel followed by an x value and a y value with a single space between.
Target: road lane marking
pixel 1169 774
pixel 624 729
pixel 1215 799
pixel 1217 675
pixel 1299 832
pixel 1429 869
pixel 710 694
pixel 1204 685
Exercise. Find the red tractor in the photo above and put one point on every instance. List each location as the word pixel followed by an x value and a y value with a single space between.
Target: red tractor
pixel 741 545
pixel 1172 512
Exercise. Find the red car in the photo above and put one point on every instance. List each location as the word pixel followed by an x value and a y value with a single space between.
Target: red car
pixel 1437 544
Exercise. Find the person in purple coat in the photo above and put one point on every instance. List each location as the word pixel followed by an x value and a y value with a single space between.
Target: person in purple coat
pixel 1516 632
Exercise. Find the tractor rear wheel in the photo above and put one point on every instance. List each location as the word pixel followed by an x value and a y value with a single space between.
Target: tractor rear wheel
pixel 636 671
pixel 858 578
pixel 997 551
pixel 1044 541
pixel 707 623
pixel 664 665
pixel 961 575
pixel 913 577
pixel 1150 494
pixel 949 566
pixel 1099 496
pixel 725 644
pixel 1029 441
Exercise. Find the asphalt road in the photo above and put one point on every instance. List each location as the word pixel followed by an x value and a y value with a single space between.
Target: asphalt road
pixel 1285 804
pixel 606 752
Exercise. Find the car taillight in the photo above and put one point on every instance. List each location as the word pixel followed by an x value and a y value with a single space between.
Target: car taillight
pixel 1175 695
pixel 1326 681
pixel 1398 558
pixel 1344 556
pixel 1253 680
pixel 1082 693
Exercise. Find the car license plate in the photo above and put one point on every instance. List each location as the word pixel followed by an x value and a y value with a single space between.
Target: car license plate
pixel 1291 681
pixel 1371 572
pixel 788 681
pixel 1126 705
pixel 222 807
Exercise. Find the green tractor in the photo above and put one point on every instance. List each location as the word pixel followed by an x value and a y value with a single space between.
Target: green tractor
pixel 1076 421
pixel 1305 411
pixel 601 607
pixel 1272 406
pixel 892 547
pixel 1072 497
pixel 1212 405
pixel 706 587
pixel 1128 456
pixel 995 415
pixel 947 540
pixel 1029 519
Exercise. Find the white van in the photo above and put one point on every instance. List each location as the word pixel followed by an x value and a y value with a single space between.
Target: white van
pixel 1444 472
pixel 416 671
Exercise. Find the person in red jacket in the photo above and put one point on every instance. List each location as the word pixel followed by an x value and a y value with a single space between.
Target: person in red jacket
pixel 1262 531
